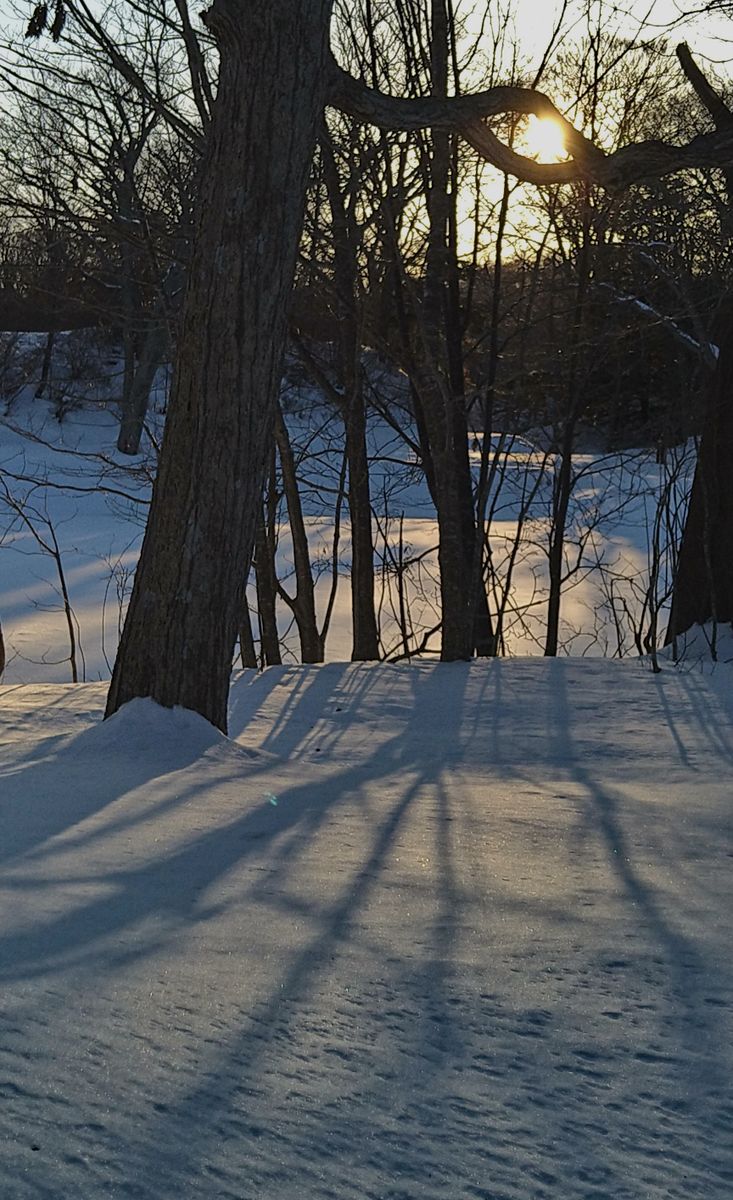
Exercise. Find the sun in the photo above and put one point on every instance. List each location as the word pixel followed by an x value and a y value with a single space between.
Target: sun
pixel 544 139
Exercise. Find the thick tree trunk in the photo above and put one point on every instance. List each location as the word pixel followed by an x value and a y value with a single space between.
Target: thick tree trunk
pixel 441 398
pixel 703 586
pixel 178 642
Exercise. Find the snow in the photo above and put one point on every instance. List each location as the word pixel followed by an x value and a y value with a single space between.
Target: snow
pixel 409 933
pixel 70 481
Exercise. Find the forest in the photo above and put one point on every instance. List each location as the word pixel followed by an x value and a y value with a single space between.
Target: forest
pixel 498 281
pixel 366 597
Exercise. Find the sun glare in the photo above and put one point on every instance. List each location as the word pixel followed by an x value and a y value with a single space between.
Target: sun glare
pixel 544 139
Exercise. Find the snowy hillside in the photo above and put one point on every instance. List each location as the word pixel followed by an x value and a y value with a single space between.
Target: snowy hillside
pixel 427 932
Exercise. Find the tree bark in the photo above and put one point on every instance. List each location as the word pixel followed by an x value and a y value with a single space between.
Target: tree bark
pixel 178 642
pixel 703 586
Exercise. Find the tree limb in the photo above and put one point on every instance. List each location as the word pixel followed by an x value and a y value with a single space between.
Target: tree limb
pixel 466 114
pixel 704 90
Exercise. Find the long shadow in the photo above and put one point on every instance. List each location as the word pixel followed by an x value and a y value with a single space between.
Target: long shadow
pixel 167 888
pixel 182 1142
pixel 219 1086
pixel 63 787
pixel 698 689
pixel 55 786
pixel 250 691
pixel 693 1020
pixel 106 932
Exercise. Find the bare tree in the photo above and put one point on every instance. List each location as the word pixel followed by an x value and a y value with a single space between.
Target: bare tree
pixel 188 597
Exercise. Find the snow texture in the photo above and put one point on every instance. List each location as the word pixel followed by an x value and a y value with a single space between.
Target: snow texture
pixel 427 932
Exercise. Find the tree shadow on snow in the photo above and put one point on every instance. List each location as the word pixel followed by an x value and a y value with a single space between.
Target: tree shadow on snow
pixel 372 1063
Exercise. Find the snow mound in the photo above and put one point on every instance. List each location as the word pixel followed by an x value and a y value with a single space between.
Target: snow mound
pixel 144 729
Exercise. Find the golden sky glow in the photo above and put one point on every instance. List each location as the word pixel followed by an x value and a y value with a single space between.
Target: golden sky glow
pixel 543 140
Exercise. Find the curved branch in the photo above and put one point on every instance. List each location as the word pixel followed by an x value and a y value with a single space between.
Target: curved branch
pixel 646 161
pixel 490 147
pixel 635 163
pixel 715 105
pixel 456 113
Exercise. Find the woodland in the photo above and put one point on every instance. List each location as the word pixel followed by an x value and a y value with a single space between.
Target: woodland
pixel 396 205
pixel 366 592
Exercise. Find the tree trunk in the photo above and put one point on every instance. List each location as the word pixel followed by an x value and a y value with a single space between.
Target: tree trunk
pixel 135 402
pixel 365 635
pixel 178 642
pixel 46 365
pixel 303 603
pixel 129 291
pixel 365 644
pixel 562 492
pixel 266 581
pixel 703 586
pixel 466 622
pixel 247 650
pixel 157 343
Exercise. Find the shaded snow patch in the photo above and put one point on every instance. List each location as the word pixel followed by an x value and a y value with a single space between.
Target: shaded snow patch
pixel 700 645
pixel 144 729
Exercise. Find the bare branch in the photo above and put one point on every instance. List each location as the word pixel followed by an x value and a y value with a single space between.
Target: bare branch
pixel 704 90
pixel 640 161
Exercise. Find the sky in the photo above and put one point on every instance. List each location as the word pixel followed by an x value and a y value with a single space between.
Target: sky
pixel 711 37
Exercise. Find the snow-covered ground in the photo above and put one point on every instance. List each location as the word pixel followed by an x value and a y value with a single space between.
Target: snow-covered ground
pixel 65 480
pixel 425 932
